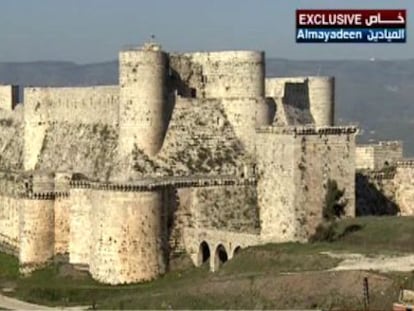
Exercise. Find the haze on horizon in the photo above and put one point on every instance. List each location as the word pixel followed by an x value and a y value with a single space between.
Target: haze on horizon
pixel 95 30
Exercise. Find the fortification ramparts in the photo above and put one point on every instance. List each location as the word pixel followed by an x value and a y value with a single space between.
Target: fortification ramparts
pixel 184 153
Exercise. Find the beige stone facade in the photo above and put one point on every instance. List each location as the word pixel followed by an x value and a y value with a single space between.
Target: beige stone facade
pixel 379 155
pixel 193 152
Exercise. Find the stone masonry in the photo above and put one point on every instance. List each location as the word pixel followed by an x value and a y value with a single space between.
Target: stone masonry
pixel 191 153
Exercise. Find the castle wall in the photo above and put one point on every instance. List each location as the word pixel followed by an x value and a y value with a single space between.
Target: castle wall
pixel 231 74
pixel 45 106
pixel 12 187
pixel 144 111
pixel 9 97
pixel 81 225
pixel 61 224
pixel 276 186
pixel 244 114
pixel 201 140
pixel 316 94
pixel 319 159
pixel 228 208
pixel 404 185
pixel 127 237
pixel 293 174
pixel 186 76
pixel 364 157
pixel 9 224
pixel 377 156
pixel 89 149
pixel 11 140
pixel 36 229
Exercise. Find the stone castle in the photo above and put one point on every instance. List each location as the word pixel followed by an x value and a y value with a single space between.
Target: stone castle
pixel 194 152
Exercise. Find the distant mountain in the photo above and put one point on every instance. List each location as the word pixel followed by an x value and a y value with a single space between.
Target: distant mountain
pixel 378 95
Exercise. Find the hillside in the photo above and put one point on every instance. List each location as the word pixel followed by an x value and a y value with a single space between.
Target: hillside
pixel 375 94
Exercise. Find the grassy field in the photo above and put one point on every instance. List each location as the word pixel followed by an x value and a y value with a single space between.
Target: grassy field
pixel 269 276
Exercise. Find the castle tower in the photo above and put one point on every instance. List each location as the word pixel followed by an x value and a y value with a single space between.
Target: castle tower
pixel 322 100
pixel 143 99
pixel 237 79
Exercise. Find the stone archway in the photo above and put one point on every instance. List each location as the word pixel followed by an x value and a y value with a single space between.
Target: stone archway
pixel 220 257
pixel 203 253
pixel 236 250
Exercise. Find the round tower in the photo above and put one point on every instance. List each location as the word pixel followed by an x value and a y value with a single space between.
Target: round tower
pixel 143 99
pixel 322 100
pixel 232 74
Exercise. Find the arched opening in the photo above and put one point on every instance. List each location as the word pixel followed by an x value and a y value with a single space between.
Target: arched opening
pixel 236 250
pixel 220 257
pixel 203 253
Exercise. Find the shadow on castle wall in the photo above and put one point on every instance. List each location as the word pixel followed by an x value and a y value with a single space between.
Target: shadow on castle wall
pixel 370 199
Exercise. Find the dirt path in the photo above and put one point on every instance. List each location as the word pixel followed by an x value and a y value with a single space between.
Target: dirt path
pixel 379 263
pixel 15 304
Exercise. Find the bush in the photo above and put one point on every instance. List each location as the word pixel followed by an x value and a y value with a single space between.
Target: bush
pixel 334 206
pixel 325 232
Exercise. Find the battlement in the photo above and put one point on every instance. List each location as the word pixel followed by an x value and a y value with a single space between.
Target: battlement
pixel 308 130
pixel 152 184
pixel 408 162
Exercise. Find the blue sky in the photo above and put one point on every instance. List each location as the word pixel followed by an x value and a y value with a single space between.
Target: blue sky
pixel 87 31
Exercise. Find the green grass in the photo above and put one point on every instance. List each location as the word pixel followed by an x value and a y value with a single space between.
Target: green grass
pixel 247 281
pixel 9 267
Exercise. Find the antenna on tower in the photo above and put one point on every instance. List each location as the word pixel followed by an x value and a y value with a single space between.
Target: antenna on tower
pixel 152 38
